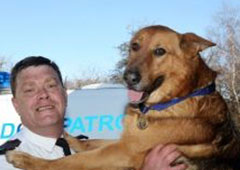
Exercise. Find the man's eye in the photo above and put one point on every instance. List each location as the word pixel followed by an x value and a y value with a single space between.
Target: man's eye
pixel 28 90
pixel 52 85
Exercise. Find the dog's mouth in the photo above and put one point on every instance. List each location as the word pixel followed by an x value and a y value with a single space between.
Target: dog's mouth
pixel 138 96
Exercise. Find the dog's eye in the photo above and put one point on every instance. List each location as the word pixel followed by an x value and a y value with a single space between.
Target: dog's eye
pixel 159 51
pixel 135 46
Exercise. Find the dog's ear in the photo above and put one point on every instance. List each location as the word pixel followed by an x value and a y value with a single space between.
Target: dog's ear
pixel 194 44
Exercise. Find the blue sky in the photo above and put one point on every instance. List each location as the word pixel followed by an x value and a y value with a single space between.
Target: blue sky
pixel 81 36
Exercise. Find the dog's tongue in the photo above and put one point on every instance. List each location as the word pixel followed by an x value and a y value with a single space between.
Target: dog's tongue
pixel 134 96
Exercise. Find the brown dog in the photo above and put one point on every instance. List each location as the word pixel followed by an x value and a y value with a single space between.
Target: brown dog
pixel 173 101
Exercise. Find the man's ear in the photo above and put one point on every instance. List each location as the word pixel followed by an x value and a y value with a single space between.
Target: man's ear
pixel 15 104
pixel 194 44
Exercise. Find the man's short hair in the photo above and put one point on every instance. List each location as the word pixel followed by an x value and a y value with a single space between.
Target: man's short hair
pixel 31 61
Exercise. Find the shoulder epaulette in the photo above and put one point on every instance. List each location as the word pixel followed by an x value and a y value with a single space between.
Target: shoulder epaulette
pixel 81 137
pixel 9 145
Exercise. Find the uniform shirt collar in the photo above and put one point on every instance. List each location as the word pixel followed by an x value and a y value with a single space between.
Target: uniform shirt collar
pixel 47 143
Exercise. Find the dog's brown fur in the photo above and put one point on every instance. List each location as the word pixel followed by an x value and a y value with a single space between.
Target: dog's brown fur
pixel 200 126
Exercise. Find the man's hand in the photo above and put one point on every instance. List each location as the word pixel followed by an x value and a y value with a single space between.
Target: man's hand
pixel 160 158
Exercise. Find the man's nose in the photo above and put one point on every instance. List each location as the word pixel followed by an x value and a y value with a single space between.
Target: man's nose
pixel 43 94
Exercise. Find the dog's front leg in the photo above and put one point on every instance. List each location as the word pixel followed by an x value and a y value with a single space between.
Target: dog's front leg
pixel 94 159
pixel 112 156
pixel 86 145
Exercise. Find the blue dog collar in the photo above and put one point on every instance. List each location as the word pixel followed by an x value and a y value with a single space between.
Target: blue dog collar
pixel 161 106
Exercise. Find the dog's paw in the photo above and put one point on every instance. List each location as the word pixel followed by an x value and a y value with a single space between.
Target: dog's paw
pixel 19 159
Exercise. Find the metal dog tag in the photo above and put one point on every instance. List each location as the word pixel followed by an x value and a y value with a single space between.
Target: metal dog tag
pixel 142 122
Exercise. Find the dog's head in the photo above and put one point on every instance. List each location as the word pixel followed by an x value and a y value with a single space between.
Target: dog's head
pixel 164 64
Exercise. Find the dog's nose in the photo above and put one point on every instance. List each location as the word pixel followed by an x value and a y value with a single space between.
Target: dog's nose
pixel 132 77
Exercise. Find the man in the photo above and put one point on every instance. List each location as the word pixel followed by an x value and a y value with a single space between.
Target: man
pixel 40 99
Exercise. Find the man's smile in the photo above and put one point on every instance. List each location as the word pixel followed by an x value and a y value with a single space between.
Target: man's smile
pixel 44 108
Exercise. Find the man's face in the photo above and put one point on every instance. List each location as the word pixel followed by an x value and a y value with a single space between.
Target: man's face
pixel 40 98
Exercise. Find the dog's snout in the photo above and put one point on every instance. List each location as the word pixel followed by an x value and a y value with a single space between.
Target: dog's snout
pixel 132 77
